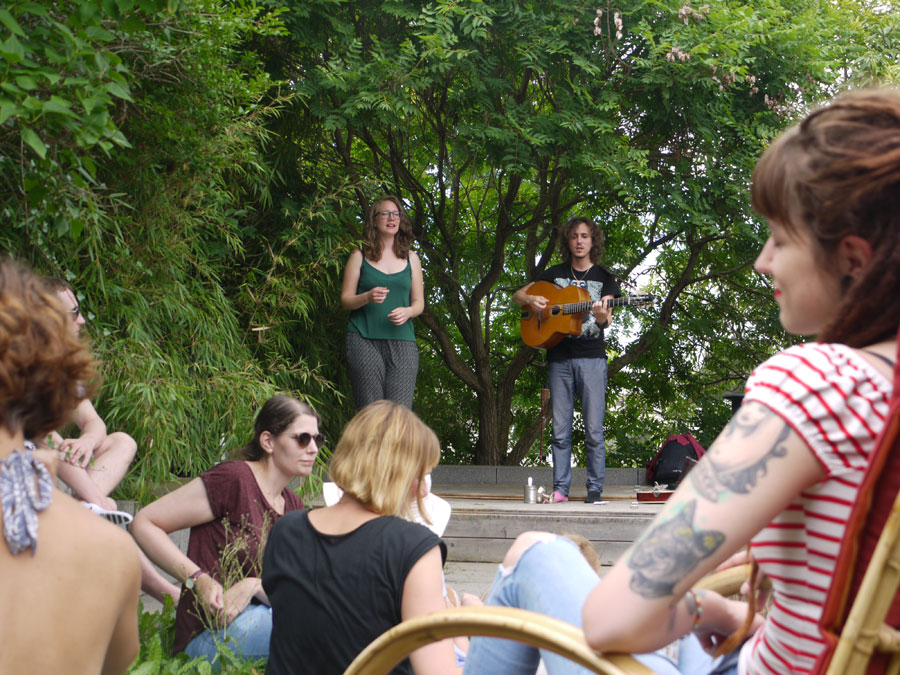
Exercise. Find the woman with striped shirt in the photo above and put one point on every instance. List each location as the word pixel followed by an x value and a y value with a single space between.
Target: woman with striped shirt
pixel 784 473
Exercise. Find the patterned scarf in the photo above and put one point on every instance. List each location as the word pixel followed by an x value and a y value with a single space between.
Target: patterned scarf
pixel 21 500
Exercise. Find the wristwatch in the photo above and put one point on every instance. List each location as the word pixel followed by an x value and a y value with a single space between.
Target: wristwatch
pixel 189 583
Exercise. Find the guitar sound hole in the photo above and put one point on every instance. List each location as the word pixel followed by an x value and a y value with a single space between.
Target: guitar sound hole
pixel 555 310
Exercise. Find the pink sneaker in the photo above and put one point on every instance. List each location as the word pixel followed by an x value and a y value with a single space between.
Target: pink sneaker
pixel 558 497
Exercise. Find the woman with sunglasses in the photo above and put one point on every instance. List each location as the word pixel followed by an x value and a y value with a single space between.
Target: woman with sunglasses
pixel 230 509
pixel 383 289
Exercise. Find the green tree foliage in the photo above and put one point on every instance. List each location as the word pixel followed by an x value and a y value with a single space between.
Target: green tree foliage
pixel 133 164
pixel 498 120
pixel 198 168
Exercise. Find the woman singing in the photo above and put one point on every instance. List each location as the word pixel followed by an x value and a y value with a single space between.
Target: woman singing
pixel 383 289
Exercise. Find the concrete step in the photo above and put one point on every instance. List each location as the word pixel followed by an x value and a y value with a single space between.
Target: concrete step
pixel 481 531
pixel 489 510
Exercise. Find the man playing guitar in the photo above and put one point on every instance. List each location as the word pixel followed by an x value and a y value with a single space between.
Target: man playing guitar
pixel 577 364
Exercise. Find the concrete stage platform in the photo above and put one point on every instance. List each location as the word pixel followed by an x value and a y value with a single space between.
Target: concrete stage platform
pixel 489 512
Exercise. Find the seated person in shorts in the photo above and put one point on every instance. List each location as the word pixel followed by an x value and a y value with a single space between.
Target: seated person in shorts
pixel 95 462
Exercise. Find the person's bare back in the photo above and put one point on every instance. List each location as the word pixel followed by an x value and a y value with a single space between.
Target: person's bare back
pixel 72 607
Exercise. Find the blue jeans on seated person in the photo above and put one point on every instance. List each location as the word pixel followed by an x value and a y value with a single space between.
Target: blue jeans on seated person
pixel 247 637
pixel 553 578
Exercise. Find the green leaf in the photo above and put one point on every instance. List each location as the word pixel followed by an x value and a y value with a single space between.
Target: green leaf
pixel 62 28
pixel 92 102
pixel 88 164
pixel 99 34
pixel 151 6
pixel 10 22
pixel 7 110
pixel 51 77
pixel 34 142
pixel 119 138
pixel 58 105
pixel 87 11
pixel 34 8
pixel 11 50
pixel 26 82
pixel 10 88
pixel 133 24
pixel 35 192
pixel 118 90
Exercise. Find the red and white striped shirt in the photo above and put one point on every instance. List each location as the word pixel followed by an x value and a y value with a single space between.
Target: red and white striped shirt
pixel 837 402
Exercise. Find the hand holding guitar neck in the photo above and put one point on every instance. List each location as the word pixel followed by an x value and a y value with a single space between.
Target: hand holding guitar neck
pixel 602 310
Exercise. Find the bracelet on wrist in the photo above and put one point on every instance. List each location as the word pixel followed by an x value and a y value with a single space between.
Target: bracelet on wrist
pixel 699 608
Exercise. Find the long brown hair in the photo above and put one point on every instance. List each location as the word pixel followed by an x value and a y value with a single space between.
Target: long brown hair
pixel 837 174
pixel 565 233
pixel 372 244
pixel 276 415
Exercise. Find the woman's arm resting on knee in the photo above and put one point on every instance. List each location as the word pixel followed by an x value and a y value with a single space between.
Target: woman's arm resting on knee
pixel 186 507
pixel 423 593
pixel 754 470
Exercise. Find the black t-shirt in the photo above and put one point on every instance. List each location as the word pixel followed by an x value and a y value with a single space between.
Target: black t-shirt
pixel 598 281
pixel 331 595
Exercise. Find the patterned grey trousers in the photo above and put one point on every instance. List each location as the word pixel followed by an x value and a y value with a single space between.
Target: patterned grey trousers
pixel 382 369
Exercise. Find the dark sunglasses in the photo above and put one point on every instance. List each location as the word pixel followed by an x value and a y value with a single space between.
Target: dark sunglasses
pixel 304 439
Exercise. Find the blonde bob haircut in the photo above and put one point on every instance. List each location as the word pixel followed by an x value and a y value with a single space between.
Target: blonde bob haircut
pixel 383 449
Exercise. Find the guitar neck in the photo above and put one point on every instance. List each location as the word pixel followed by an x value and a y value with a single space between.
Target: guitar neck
pixel 579 307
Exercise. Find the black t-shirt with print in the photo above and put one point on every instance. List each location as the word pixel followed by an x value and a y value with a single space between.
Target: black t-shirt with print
pixel 598 281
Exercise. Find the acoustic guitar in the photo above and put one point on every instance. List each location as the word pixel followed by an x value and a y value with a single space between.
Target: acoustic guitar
pixel 565 312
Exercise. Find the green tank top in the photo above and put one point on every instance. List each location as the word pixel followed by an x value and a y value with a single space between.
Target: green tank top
pixel 371 320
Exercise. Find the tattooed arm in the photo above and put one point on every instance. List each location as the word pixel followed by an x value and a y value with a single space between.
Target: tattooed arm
pixel 754 470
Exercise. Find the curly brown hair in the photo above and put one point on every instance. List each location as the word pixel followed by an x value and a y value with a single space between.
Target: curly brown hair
pixel 596 239
pixel 45 371
pixel 837 174
pixel 403 240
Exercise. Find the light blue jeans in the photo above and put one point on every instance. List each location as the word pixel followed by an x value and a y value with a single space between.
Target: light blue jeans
pixel 247 637
pixel 585 378
pixel 553 578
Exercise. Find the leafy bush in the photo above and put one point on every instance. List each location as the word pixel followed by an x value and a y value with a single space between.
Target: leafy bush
pixel 133 163
pixel 157 633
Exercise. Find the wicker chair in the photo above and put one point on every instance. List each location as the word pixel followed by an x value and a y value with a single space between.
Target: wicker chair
pixel 544 632
pixel 861 616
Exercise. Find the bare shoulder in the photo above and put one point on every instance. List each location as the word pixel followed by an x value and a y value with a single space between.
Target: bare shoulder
pixel 355 257
pixel 81 586
pixel 103 545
